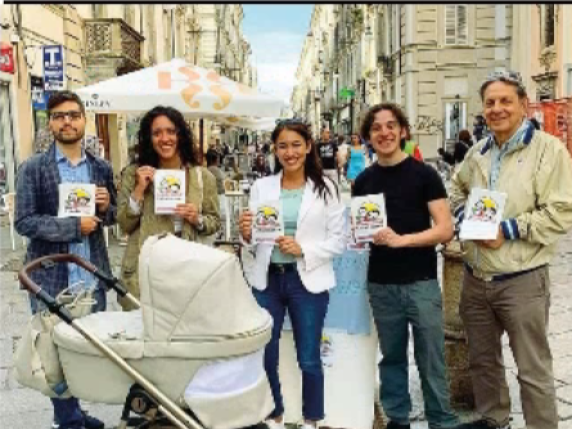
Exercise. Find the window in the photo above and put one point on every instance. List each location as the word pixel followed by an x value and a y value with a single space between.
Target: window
pixel 549 19
pixel 456 24
pixel 455 118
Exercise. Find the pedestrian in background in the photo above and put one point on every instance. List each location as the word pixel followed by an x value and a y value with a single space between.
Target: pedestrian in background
pixel 165 142
pixel 410 147
pixel 506 284
pixel 260 168
pixel 296 273
pixel 462 145
pixel 327 151
pixel 402 278
pixel 213 166
pixel 356 159
pixel 37 202
pixel 342 157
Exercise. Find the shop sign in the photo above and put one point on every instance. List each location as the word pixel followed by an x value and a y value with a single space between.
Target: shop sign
pixel 39 95
pixel 53 61
pixel 7 58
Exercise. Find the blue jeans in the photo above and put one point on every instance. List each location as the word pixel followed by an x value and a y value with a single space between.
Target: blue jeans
pixel 307 312
pixel 394 308
pixel 67 412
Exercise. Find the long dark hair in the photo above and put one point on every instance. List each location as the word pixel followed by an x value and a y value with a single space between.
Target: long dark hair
pixel 312 166
pixel 146 152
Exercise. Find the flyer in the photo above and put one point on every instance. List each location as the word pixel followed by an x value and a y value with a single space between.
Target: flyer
pixel 368 216
pixel 483 215
pixel 268 222
pixel 76 199
pixel 169 190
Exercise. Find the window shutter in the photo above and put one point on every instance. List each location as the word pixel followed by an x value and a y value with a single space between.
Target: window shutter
pixel 462 27
pixel 450 24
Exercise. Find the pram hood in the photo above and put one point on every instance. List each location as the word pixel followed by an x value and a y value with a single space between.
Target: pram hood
pixel 193 292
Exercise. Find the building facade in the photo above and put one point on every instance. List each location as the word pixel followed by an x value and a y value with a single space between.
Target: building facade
pixel 428 58
pixel 99 42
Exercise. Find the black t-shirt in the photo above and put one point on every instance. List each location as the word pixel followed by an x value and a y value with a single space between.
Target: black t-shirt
pixel 407 187
pixel 328 152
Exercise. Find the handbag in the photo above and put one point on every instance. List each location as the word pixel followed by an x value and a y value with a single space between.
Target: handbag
pixel 36 359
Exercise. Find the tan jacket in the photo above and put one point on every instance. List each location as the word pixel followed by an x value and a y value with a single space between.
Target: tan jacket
pixel 147 223
pixel 537 176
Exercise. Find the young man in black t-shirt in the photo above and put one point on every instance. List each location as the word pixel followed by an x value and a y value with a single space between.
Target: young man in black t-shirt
pixel 328 152
pixel 402 277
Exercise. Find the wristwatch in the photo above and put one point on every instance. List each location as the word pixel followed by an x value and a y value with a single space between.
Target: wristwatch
pixel 200 225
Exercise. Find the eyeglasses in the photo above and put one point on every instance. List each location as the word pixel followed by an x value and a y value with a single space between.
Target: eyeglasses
pixel 504 76
pixel 74 115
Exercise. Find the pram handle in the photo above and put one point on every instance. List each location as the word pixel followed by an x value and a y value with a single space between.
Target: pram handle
pixel 49 261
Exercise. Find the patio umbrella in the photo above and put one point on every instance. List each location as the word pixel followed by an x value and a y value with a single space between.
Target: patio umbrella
pixel 195 91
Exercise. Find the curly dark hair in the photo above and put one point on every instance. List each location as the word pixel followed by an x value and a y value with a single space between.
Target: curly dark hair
pixel 312 166
pixel 146 152
pixel 369 118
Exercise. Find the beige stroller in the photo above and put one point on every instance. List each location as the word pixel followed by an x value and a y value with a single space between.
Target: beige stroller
pixel 191 357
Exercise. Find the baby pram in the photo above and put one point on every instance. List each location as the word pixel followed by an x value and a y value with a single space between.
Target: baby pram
pixel 191 355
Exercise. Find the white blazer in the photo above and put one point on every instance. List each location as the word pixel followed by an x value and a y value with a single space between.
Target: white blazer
pixel 320 233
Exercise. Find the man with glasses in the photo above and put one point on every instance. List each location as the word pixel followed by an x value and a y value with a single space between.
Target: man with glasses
pixel 506 286
pixel 37 201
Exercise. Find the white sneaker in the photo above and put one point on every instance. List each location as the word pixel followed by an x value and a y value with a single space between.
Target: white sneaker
pixel 308 426
pixel 273 424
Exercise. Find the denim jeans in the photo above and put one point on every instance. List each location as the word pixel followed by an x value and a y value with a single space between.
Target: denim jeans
pixel 307 312
pixel 394 308
pixel 67 412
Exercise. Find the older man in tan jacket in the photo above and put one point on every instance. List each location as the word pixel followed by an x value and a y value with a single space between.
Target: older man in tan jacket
pixel 506 286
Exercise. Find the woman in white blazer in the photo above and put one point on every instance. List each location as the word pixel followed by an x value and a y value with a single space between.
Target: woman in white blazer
pixel 296 272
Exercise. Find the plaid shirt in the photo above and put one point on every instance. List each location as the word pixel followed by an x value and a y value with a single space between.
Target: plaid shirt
pixel 37 200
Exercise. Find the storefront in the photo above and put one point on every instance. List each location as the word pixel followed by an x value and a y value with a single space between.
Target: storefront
pixel 8 159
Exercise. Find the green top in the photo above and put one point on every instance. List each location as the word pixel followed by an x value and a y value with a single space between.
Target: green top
pixel 291 201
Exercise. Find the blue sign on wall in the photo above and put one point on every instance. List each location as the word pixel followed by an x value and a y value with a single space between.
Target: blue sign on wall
pixel 54 73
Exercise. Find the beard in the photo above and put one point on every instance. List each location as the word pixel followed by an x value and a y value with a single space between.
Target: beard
pixel 69 137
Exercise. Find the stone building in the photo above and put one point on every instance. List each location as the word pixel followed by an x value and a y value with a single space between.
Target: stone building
pixel 428 58
pixel 101 41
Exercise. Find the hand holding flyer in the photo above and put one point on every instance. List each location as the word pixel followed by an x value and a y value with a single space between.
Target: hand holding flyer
pixel 169 190
pixel 268 222
pixel 368 216
pixel 76 199
pixel 483 215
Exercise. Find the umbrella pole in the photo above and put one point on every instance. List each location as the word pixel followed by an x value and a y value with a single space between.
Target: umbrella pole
pixel 201 139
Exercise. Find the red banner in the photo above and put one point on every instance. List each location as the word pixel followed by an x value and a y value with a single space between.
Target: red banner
pixel 555 117
pixel 6 58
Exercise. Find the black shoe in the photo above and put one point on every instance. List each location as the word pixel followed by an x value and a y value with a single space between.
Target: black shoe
pixel 91 422
pixel 393 425
pixel 481 424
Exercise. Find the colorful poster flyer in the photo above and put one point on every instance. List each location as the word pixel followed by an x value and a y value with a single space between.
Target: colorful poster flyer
pixel 483 215
pixel 76 199
pixel 368 216
pixel 268 222
pixel 169 190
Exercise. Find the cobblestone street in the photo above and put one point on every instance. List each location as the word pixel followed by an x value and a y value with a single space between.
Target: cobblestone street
pixel 24 408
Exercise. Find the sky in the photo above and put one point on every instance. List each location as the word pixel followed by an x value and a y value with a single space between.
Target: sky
pixel 276 33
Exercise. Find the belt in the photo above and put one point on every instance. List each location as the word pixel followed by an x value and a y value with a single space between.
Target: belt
pixel 282 268
pixel 502 277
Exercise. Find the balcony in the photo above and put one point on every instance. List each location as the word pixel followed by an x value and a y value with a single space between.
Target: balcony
pixel 112 48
